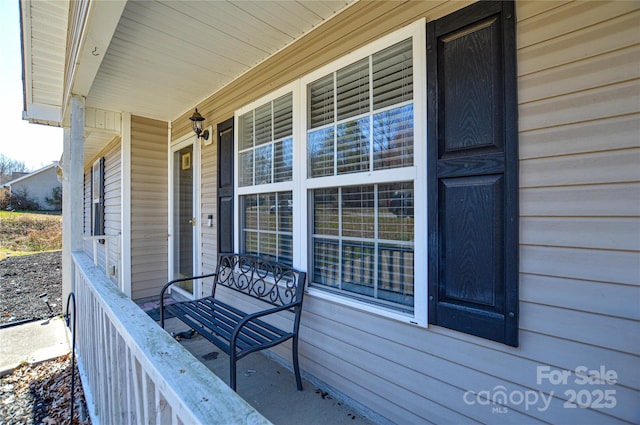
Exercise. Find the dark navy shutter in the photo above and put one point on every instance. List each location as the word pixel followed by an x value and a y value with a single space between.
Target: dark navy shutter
pixel 472 172
pixel 225 186
pixel 98 207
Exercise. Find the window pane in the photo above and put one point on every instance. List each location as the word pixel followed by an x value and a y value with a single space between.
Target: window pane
pixel 370 250
pixel 249 224
pixel 283 161
pixel 284 204
pixel 267 219
pixel 320 152
pixel 245 162
pixel 268 246
pixel 263 165
pixel 395 274
pixel 283 116
pixel 285 211
pixel 352 85
pixel 245 138
pixel 250 243
pixel 263 124
pixel 249 209
pixel 353 146
pixel 358 267
pixel 395 212
pixel 358 212
pixel 393 75
pixel 393 138
pixel 326 262
pixel 266 225
pixel 321 109
pixel 325 212
pixel 285 249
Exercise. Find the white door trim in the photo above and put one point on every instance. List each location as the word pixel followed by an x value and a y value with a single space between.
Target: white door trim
pixel 195 163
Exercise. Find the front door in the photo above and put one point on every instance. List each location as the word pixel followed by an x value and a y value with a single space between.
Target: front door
pixel 184 215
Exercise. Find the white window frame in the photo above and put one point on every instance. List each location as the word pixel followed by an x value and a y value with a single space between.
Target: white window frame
pixel 416 173
pixel 268 187
pixel 301 185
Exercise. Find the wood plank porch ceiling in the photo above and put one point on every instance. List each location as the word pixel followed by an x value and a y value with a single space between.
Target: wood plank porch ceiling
pixel 166 56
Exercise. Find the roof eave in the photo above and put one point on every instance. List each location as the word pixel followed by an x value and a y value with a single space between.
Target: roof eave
pixel 33 112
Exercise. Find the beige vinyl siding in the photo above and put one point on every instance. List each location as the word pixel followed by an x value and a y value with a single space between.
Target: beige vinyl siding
pixel 149 237
pixel 113 206
pixel 579 179
pixel 112 210
pixel 209 201
pixel 578 82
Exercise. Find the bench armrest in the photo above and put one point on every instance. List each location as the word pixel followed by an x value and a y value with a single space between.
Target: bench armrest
pixel 258 314
pixel 168 284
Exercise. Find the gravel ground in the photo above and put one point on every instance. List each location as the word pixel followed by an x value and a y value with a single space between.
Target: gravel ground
pixel 36 394
pixel 23 280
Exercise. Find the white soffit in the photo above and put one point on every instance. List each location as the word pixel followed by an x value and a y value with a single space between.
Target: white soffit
pixel 43 49
pixel 166 56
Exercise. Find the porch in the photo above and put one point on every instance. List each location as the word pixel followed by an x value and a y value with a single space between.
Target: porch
pixel 134 372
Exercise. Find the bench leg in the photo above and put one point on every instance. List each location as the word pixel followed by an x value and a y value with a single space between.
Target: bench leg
pixel 296 368
pixel 232 370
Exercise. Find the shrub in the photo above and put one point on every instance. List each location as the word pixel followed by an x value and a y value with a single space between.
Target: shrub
pixel 5 199
pixel 20 201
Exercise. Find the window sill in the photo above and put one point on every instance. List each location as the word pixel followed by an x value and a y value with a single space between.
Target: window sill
pixel 365 307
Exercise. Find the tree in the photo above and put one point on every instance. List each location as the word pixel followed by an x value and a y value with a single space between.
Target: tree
pixel 56 198
pixel 8 166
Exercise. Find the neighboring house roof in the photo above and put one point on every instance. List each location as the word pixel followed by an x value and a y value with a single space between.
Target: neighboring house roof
pixel 54 164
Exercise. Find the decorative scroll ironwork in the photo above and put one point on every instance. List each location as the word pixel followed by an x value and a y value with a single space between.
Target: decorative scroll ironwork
pixel 272 282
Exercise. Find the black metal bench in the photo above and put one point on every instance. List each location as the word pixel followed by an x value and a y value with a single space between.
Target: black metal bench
pixel 233 331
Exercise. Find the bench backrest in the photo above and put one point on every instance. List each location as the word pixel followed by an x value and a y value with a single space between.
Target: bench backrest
pixel 268 281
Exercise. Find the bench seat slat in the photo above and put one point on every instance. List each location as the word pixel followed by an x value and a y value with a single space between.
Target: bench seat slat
pixel 213 316
pixel 209 301
pixel 220 335
pixel 257 330
pixel 187 312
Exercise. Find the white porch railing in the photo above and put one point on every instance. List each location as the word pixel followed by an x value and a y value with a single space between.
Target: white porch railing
pixel 133 371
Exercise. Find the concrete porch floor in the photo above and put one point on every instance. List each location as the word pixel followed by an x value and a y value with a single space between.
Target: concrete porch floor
pixel 271 388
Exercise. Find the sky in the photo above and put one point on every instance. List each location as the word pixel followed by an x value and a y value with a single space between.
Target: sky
pixel 35 145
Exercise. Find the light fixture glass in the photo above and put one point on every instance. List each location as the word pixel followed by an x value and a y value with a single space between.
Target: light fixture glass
pixel 197 123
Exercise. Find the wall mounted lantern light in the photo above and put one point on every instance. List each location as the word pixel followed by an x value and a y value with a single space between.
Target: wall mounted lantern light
pixel 197 122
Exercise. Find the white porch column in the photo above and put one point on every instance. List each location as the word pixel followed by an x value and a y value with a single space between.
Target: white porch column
pixel 67 268
pixel 73 192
